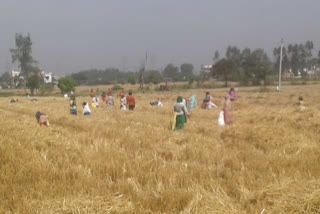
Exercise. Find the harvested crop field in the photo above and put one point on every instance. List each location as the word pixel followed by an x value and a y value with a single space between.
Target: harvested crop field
pixel 116 161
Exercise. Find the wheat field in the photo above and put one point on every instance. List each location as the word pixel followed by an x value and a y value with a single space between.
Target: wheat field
pixel 116 161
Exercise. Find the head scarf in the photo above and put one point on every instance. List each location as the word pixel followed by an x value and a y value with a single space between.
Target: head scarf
pixel 179 99
pixel 227 97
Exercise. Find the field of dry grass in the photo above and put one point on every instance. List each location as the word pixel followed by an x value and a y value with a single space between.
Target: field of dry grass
pixel 268 161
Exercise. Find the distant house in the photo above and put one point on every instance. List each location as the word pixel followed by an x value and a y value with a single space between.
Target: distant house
pixel 15 73
pixel 206 68
pixel 47 77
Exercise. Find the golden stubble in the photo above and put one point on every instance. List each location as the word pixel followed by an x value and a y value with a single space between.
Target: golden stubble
pixel 130 162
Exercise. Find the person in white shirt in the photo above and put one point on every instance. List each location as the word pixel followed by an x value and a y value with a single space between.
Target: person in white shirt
pixel 156 103
pixel 123 102
pixel 86 109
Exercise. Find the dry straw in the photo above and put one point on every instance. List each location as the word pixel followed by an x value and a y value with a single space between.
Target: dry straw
pixel 130 162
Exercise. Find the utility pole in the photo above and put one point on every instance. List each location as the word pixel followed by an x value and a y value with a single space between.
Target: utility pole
pixel 280 67
pixel 142 70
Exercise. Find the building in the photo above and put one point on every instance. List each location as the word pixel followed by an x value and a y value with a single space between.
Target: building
pixel 206 68
pixel 47 77
pixel 15 73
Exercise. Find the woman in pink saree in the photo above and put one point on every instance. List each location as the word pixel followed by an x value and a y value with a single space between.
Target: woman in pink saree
pixel 227 108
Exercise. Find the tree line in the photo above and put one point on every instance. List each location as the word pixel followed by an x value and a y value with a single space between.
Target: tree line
pixel 255 67
pixel 249 67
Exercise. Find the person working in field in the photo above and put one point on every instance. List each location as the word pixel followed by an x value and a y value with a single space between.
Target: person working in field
pixel 72 101
pixel 103 97
pixel 119 96
pixel 156 103
pixel 109 92
pixel 96 101
pixel 131 102
pixel 227 110
pixel 192 102
pixel 232 94
pixel 13 100
pixel 42 119
pixel 91 93
pixel 301 104
pixel 123 102
pixel 207 102
pixel 181 113
pixel 86 109
pixel 110 102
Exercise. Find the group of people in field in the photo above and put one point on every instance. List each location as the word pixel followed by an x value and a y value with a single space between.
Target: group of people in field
pixel 181 107
pixel 123 101
pixel 181 113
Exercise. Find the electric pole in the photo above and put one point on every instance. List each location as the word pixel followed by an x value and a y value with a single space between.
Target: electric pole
pixel 280 67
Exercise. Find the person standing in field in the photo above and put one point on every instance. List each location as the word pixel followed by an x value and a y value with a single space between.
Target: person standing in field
pixel 301 104
pixel 131 102
pixel 181 113
pixel 109 92
pixel 110 102
pixel 123 102
pixel 73 107
pixel 96 101
pixel 86 109
pixel 103 97
pixel 206 100
pixel 91 93
pixel 192 102
pixel 119 96
pixel 232 94
pixel 227 109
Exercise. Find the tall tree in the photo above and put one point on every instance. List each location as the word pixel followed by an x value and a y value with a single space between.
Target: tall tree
pixel 216 56
pixel 223 68
pixel 22 54
pixel 257 66
pixel 234 54
pixel 35 79
pixel 285 59
pixel 171 71
pixel 154 77
pixel 186 70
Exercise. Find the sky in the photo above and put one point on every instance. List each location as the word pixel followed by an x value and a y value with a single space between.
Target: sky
pixel 73 35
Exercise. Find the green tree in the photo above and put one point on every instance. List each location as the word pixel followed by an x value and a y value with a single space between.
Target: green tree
pixel 190 80
pixel 216 56
pixel 171 71
pixel 234 54
pixel 132 79
pixel 224 68
pixel 34 82
pixel 186 70
pixel 5 79
pixel 66 84
pixel 22 53
pixel 154 77
pixel 257 67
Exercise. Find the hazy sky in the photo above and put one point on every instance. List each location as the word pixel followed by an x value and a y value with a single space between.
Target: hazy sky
pixel 72 35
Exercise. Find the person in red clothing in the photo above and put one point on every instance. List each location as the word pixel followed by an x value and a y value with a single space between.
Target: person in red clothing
pixel 120 94
pixel 91 93
pixel 109 92
pixel 130 101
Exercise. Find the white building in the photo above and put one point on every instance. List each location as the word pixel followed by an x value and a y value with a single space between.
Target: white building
pixel 47 77
pixel 15 73
pixel 206 68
